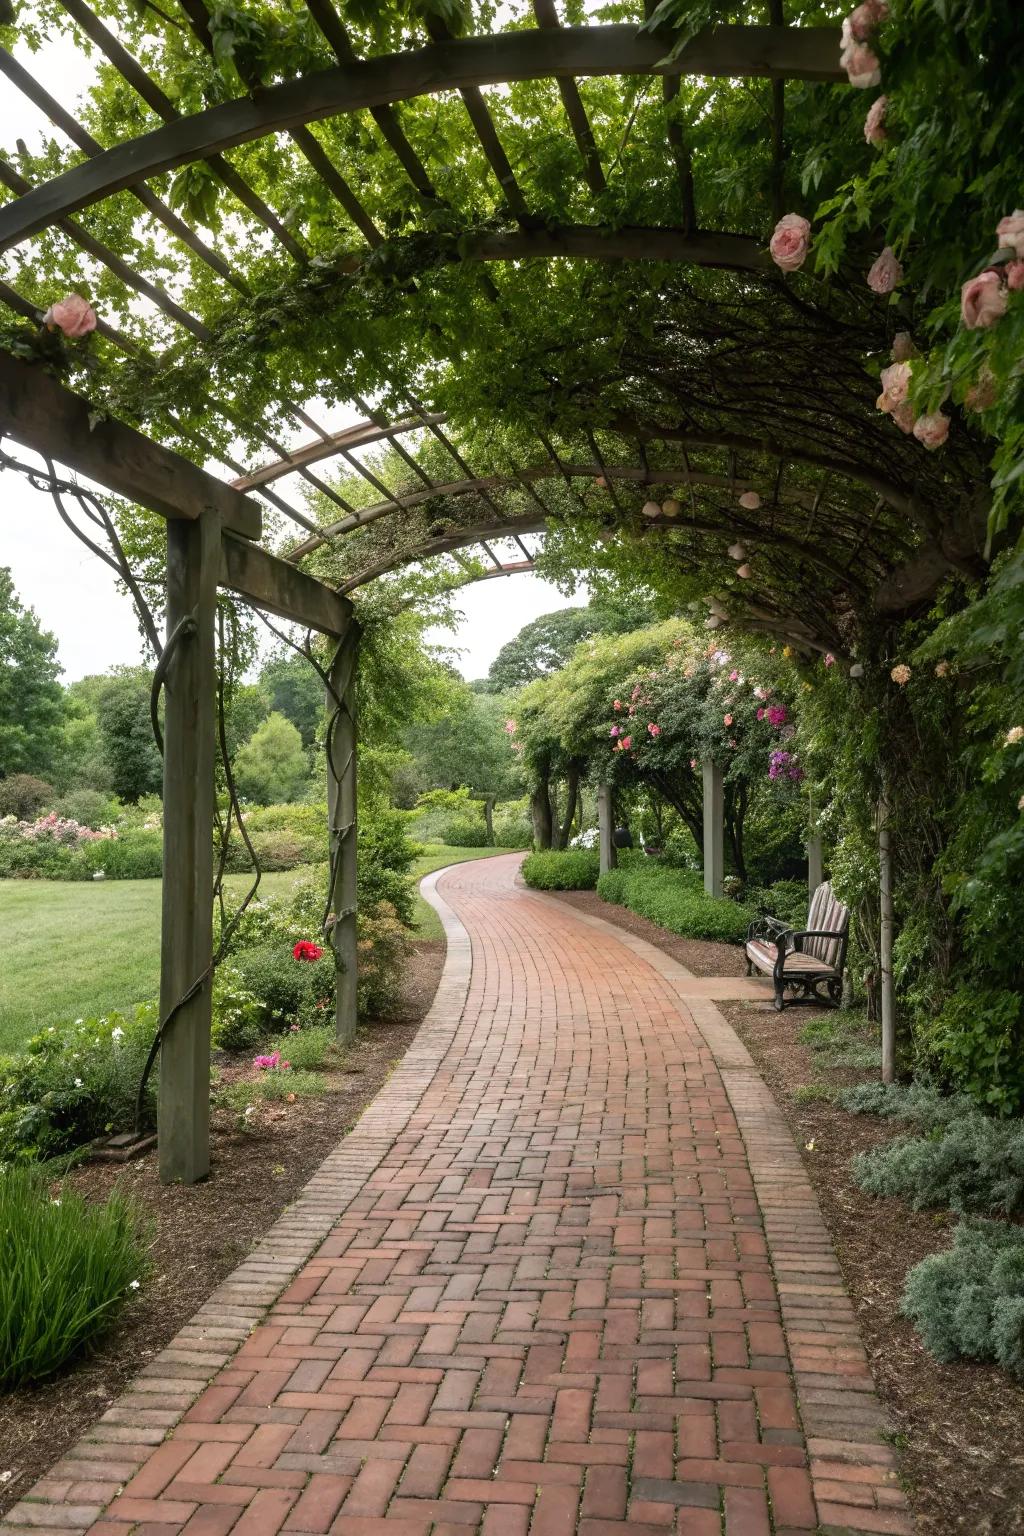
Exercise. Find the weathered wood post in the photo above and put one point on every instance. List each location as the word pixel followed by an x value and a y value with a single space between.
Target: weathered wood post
pixel 815 857
pixel 186 945
pixel 342 816
pixel 606 827
pixel 714 828
pixel 885 940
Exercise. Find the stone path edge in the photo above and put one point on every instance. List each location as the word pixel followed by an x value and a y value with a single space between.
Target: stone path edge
pixel 846 1428
pixel 157 1400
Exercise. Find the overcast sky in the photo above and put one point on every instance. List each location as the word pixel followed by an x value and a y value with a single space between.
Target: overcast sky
pixel 74 595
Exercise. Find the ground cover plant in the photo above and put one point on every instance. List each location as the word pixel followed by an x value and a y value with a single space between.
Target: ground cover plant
pixel 969 1300
pixel 970 1163
pixel 69 1266
pixel 676 900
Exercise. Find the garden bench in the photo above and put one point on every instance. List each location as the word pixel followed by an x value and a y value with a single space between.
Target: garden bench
pixel 803 959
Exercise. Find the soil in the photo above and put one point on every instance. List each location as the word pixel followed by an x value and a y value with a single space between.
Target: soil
pixel 957 1427
pixel 204 1232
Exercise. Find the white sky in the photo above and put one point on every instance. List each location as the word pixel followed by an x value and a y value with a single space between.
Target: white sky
pixel 74 595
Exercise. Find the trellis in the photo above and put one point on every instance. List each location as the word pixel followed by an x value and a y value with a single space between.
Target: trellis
pixel 864 527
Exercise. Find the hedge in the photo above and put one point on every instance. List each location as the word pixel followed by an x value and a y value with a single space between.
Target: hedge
pixel 576 869
pixel 675 899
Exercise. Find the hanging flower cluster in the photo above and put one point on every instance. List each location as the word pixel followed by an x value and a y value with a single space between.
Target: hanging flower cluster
pixel 863 69
pixel 783 764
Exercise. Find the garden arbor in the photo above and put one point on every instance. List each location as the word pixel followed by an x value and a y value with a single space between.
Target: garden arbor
pixel 525 296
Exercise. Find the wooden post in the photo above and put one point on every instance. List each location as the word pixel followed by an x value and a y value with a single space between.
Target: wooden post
pixel 714 829
pixel 341 808
pixel 186 948
pixel 885 940
pixel 815 862
pixel 606 826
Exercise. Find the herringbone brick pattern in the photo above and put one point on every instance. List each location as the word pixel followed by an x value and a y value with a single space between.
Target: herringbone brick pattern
pixel 551 1308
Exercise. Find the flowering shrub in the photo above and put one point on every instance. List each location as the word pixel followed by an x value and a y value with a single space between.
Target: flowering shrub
pixel 54 828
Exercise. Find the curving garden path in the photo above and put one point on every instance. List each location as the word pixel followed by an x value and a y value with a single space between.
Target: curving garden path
pixel 566 1275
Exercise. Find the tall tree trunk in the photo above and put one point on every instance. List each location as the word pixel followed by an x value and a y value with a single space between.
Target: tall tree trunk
pixel 540 809
pixel 572 790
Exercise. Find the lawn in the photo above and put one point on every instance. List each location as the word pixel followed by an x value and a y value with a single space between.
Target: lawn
pixel 435 856
pixel 71 949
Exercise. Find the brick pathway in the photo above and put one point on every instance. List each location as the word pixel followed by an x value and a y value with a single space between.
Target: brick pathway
pixel 568 1276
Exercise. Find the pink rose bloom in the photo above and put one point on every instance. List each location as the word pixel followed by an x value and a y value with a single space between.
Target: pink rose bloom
pixel 790 243
pixel 885 273
pixel 693 762
pixel 727 719
pixel 734 676
pixel 616 704
pixel 862 67
pixel 982 300
pixel 655 730
pixel 1010 231
pixel 862 21
pixel 902 347
pixel 895 386
pixel 932 429
pixel 1015 276
pixel 626 743
pixel 614 731
pixel 750 500
pixel 74 316
pixel 874 123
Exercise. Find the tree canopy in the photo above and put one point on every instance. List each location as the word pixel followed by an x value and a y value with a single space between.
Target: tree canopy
pixel 31 706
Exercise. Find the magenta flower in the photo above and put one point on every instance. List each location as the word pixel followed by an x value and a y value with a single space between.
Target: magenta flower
pixel 830 660
pixel 267 1063
pixel 776 714
pixel 734 676
pixel 614 731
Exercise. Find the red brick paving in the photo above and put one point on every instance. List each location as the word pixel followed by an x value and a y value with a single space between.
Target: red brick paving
pixel 568 1279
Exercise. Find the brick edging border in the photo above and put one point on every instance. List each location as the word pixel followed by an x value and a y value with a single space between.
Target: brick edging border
pixel 853 1470
pixel 73 1495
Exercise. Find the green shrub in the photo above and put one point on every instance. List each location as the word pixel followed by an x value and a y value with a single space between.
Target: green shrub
pixel 464 833
pixel 576 869
pixel 285 990
pixel 89 807
pixel 918 1101
pixel 383 948
pixel 512 827
pixel 675 899
pixel 73 1083
pixel 23 795
pixel 970 1300
pixel 239 1019
pixel 976 1044
pixel 136 855
pixel 787 900
pixel 284 837
pixel 309 1050
pixel 68 1268
pixel 385 858
pixel 973 1163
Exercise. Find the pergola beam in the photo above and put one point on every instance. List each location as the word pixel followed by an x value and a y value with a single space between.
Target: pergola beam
pixel 358 436
pixel 41 414
pixel 280 588
pixel 807 53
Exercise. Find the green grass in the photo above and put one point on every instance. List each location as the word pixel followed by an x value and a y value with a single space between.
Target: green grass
pixel 425 921
pixel 70 950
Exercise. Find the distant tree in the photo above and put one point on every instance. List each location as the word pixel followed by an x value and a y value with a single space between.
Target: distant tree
pixel 126 733
pixel 273 766
pixel 31 698
pixel 23 795
pixel 546 644
pixel 294 690
pixel 467 745
pixel 245 711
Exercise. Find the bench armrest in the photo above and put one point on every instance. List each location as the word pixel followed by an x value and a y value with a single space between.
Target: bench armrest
pixel 767 928
pixel 816 933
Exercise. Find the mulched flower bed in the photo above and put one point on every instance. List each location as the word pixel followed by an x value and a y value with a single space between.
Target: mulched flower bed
pixel 203 1232
pixel 958 1427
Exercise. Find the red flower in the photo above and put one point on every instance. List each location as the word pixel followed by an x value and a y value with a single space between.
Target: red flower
pixel 305 950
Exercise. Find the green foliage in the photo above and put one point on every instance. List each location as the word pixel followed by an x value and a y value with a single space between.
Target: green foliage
pixel 284 836
pixel 469 833
pixel 133 855
pixel 383 948
pixel 272 766
pixel 786 899
pixel 293 689
pixel 512 828
pixel 970 1163
pixel 74 1082
pixel 286 990
pixel 31 710
pixel 89 807
pixel 69 1267
pixel 976 1044
pixel 675 899
pixel 23 795
pixel 308 1050
pixel 126 732
pixel 466 745
pixel 969 1301
pixel 239 1017
pixel 269 1087
pixel 574 869
pixel 547 644
pixel 385 857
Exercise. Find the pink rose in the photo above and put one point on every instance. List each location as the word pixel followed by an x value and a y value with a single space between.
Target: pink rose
pixel 655 730
pixel 1010 231
pixel 74 316
pixel 750 500
pixel 727 719
pixel 862 21
pixel 885 273
pixel 895 386
pixel 626 743
pixel 982 300
pixel 903 416
pixel 862 67
pixel 932 429
pixel 874 123
pixel 1015 276
pixel 790 243
pixel 903 348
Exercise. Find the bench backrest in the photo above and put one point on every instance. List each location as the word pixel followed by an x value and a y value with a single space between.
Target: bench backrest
pixel 827 912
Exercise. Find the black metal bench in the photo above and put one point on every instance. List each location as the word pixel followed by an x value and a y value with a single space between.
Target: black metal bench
pixel 803 959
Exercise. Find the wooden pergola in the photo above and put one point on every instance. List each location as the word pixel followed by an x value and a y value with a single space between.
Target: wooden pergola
pixel 857 527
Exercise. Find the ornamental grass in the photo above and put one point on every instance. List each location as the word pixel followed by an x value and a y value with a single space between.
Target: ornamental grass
pixel 67 1269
